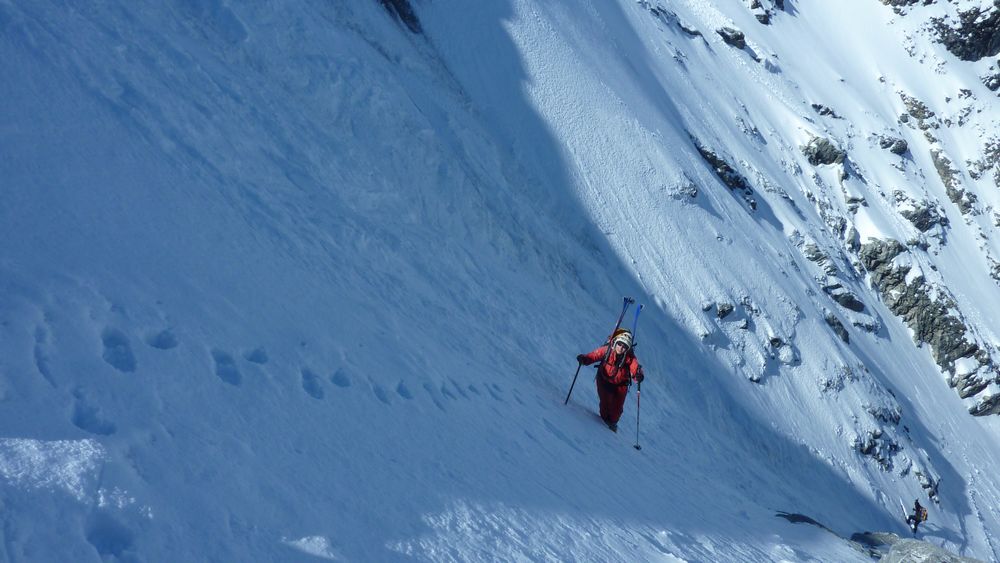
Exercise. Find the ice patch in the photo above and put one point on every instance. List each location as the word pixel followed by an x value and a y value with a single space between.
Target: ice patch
pixel 59 464
pixel 116 498
pixel 313 545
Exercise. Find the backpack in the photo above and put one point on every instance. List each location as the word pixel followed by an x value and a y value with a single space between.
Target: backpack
pixel 922 514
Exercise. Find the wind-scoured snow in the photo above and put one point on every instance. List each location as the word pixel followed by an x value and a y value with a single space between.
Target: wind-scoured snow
pixel 302 281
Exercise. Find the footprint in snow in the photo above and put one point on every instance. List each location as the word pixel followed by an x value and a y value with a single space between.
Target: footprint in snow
pixel 447 393
pixel 41 357
pixel 117 350
pixel 311 384
pixel 340 378
pixel 380 393
pixel 109 536
pixel 162 340
pixel 257 356
pixel 458 389
pixel 88 418
pixel 494 392
pixel 225 367
pixel 434 396
pixel 404 391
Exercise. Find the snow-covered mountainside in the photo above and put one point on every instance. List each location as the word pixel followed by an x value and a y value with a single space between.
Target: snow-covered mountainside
pixel 300 280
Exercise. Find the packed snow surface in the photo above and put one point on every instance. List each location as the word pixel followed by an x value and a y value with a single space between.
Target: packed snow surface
pixel 306 280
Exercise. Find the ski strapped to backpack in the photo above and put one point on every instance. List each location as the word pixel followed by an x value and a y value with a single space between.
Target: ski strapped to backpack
pixel 607 353
pixel 627 301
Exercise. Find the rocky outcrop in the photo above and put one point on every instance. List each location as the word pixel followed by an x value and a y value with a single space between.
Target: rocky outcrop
pixel 669 18
pixel 823 151
pixel 989 405
pixel 729 176
pixel 733 37
pixel 723 310
pixel 813 254
pixel 894 145
pixel 918 114
pixel 923 214
pixel 965 200
pixel 991 81
pixel 763 10
pixel 890 548
pixel 878 446
pixel 929 320
pixel 990 162
pixel 844 298
pixel 825 111
pixel 838 327
pixel 933 317
pixel 974 36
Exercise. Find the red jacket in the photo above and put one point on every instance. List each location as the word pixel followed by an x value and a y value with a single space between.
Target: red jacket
pixel 617 370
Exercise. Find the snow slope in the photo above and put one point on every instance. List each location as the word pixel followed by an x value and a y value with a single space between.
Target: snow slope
pixel 288 280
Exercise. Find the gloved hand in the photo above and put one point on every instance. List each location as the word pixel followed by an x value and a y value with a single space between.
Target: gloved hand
pixel 581 359
pixel 639 376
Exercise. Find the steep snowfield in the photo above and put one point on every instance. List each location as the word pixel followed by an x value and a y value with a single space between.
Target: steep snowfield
pixel 288 281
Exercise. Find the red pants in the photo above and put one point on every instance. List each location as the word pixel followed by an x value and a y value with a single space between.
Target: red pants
pixel 612 400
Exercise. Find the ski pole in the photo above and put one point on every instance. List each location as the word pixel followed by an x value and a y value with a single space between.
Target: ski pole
pixel 638 395
pixel 628 301
pixel 578 366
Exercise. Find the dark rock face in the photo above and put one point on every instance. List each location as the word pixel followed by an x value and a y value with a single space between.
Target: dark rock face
pixel 953 187
pixel 925 218
pixel 876 445
pixel 825 111
pixel 844 298
pixel 729 176
pixel 763 10
pixel 838 327
pixel 890 548
pixel 733 37
pixel 402 10
pixel 931 320
pixel 885 414
pixel 669 18
pixel 689 30
pixel 992 81
pixel 895 146
pixel 977 34
pixel 923 214
pixel 814 254
pixel 989 162
pixel 919 110
pixel 823 151
pixel 988 406
pixel 723 310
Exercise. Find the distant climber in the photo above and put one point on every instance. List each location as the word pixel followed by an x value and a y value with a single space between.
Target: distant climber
pixel 919 515
pixel 618 368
